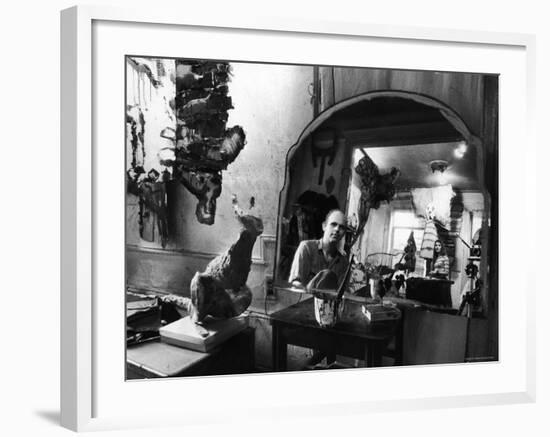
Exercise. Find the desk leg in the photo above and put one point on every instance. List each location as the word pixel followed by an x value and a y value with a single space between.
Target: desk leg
pixel 398 358
pixel 373 354
pixel 278 346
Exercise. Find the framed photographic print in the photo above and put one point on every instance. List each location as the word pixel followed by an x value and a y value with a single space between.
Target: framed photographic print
pixel 324 215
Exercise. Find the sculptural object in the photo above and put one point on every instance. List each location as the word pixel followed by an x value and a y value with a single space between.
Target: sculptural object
pixel 221 291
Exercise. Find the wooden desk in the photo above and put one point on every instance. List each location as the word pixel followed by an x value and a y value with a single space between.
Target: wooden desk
pixel 155 359
pixel 353 336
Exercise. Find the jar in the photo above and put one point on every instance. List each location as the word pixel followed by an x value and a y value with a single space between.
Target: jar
pixel 328 310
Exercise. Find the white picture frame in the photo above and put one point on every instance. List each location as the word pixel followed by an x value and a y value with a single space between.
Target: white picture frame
pixel 83 318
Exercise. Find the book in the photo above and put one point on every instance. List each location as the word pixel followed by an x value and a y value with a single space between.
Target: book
pixel 378 313
pixel 143 314
pixel 205 337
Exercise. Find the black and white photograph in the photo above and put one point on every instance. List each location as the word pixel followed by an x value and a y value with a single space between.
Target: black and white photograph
pixel 286 217
pixel 275 218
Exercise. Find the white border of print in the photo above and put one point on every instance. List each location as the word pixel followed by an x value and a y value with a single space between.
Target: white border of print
pixel 94 395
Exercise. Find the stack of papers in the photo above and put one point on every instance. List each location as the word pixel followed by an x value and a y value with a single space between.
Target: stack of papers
pixel 377 313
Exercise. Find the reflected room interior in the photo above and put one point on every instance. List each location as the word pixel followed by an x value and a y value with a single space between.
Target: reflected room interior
pixel 433 166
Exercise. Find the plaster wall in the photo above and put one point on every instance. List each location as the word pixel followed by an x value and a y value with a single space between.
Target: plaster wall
pixel 272 104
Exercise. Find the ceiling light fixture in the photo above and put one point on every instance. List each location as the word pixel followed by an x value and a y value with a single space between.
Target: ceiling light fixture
pixel 460 150
pixel 438 167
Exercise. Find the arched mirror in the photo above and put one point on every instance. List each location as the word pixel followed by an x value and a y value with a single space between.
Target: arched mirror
pixel 406 171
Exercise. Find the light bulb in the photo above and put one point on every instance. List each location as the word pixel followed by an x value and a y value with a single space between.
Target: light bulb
pixel 460 150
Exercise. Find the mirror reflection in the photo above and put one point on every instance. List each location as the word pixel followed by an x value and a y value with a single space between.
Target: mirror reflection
pixel 408 183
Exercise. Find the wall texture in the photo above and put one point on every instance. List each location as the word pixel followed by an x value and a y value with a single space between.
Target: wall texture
pixel 272 104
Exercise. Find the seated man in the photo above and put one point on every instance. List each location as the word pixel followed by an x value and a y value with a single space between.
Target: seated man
pixel 312 256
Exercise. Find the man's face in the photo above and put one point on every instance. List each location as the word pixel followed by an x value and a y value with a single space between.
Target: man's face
pixel 334 227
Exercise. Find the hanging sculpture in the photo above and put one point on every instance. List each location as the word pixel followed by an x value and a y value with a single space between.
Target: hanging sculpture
pixel 324 146
pixel 442 210
pixel 375 188
pixel 204 146
pixel 192 97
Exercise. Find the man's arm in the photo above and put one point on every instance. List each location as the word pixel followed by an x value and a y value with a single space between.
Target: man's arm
pixel 301 266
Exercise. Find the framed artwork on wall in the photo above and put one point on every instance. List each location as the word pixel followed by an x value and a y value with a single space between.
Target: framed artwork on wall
pixel 185 142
